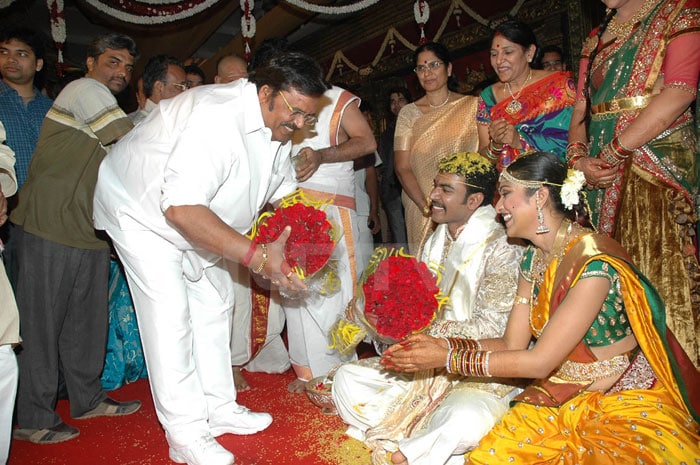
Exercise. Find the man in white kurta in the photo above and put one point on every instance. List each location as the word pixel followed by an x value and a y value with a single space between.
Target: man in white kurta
pixel 175 195
pixel 479 270
pixel 323 158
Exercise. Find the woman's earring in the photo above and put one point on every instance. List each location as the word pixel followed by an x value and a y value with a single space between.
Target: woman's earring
pixel 541 227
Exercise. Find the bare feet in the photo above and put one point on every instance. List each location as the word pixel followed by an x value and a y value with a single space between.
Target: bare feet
pixel 239 380
pixel 397 458
pixel 298 386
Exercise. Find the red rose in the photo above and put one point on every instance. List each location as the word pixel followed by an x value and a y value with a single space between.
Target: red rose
pixel 310 243
pixel 400 297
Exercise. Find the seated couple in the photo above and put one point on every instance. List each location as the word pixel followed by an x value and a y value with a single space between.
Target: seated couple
pixel 479 271
pixel 612 385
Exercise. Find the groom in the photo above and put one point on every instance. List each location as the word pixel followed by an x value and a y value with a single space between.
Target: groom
pixel 479 271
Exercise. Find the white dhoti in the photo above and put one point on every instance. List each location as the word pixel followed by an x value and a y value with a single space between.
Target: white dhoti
pixel 310 318
pixel 364 394
pixel 273 356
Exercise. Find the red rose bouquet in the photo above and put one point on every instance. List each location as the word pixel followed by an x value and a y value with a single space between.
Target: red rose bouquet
pixel 396 297
pixel 311 242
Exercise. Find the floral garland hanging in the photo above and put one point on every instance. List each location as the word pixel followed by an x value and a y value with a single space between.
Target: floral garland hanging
pixel 247 25
pixel 332 10
pixel 151 11
pixel 340 61
pixel 421 11
pixel 58 30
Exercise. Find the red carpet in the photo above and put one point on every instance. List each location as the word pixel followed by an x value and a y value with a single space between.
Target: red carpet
pixel 299 434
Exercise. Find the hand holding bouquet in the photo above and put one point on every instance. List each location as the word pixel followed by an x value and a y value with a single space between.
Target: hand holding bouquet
pixel 311 242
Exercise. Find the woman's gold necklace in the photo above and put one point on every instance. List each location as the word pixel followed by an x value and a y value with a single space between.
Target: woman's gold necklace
pixel 515 106
pixel 539 266
pixel 442 104
pixel 622 30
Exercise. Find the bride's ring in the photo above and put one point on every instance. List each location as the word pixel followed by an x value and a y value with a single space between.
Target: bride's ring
pixel 289 275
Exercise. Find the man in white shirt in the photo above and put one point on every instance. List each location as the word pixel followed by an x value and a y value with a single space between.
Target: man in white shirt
pixel 176 195
pixel 479 271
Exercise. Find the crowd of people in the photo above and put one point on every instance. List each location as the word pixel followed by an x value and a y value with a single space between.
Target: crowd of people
pixel 561 211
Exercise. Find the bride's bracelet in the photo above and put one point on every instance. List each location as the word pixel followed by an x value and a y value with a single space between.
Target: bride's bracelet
pixel 463 343
pixel 468 362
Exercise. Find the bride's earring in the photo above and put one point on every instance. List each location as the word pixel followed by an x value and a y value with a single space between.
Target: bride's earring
pixel 541 227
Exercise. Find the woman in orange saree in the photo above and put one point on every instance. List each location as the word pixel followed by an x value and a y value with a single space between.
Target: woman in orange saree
pixel 527 109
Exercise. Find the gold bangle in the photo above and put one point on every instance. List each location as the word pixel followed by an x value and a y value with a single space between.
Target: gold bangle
pixel 521 300
pixel 263 262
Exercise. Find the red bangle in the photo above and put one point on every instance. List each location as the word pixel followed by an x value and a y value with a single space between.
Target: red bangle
pixel 620 149
pixel 572 161
pixel 249 255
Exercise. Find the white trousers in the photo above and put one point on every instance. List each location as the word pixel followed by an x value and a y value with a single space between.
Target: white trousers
pixel 363 393
pixel 184 328
pixel 8 393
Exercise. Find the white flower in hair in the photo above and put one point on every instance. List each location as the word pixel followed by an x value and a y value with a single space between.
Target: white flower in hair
pixel 572 185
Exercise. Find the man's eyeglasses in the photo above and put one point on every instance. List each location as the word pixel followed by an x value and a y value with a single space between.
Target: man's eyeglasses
pixel 181 86
pixel 432 66
pixel 309 120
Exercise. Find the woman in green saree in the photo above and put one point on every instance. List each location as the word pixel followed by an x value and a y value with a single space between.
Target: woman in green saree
pixel 632 135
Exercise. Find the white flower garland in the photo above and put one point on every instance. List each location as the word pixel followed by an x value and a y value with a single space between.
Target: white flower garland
pixel 392 35
pixel 247 24
pixel 570 189
pixel 173 10
pixel 332 10
pixel 421 11
pixel 421 16
pixel 247 20
pixel 58 26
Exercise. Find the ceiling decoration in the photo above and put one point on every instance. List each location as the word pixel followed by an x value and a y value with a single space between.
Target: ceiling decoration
pixel 247 25
pixel 58 30
pixel 332 10
pixel 421 11
pixel 151 11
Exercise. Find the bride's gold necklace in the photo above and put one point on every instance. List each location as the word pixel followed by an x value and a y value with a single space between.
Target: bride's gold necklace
pixel 515 106
pixel 622 30
pixel 539 266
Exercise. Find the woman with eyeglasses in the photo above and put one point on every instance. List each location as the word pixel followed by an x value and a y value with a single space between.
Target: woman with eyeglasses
pixel 428 129
pixel 527 109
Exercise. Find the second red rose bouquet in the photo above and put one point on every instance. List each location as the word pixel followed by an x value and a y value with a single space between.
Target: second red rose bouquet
pixel 397 296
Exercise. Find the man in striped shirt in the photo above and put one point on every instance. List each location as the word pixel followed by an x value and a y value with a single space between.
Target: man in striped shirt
pixel 62 283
